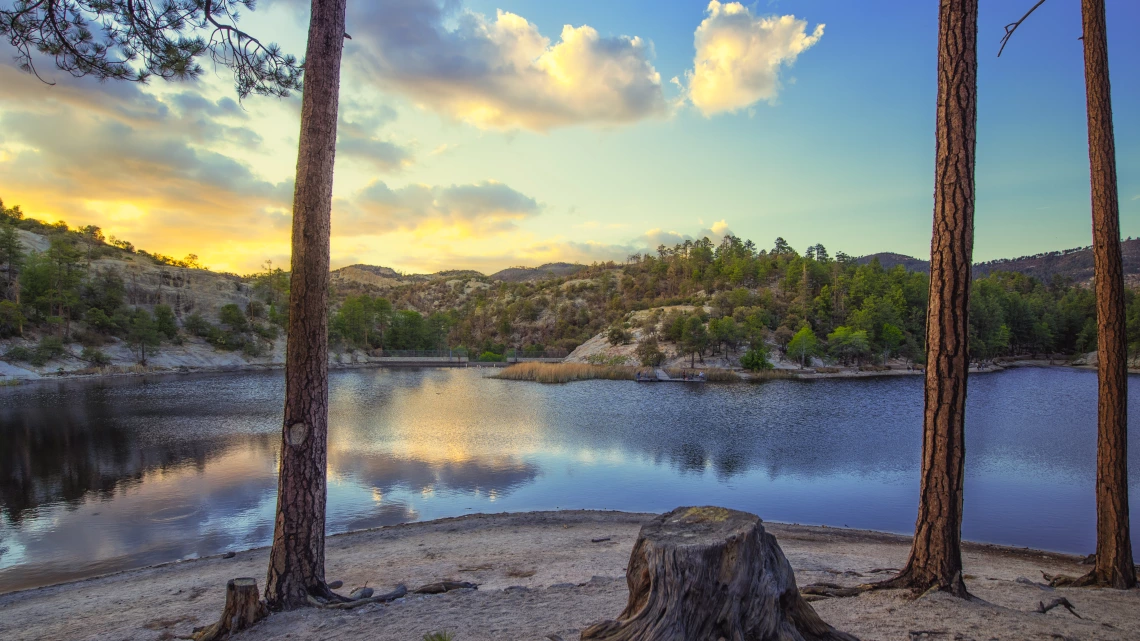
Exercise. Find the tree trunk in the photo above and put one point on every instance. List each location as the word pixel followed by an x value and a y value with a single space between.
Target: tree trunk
pixel 244 607
pixel 707 573
pixel 936 555
pixel 1114 566
pixel 297 559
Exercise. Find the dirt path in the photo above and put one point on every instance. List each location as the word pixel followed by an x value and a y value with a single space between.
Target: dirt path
pixel 542 573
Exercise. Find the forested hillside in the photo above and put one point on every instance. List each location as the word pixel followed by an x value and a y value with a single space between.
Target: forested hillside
pixel 73 291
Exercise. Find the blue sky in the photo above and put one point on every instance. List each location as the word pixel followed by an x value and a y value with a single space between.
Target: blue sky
pixel 446 166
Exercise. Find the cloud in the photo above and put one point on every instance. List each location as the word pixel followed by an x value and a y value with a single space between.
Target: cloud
pixel 502 73
pixel 144 167
pixel 739 56
pixel 479 209
pixel 358 137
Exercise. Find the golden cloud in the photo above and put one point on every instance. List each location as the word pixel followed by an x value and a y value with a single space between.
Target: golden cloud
pixel 739 56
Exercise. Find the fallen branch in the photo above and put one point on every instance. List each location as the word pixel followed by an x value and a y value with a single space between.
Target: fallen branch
pixel 1059 601
pixel 444 586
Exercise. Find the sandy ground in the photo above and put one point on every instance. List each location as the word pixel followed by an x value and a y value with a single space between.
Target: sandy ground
pixel 542 573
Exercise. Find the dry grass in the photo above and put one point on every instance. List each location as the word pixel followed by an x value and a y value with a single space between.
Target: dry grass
pixel 568 372
pixel 712 374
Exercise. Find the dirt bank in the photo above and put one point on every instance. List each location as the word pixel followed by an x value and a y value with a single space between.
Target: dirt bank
pixel 542 573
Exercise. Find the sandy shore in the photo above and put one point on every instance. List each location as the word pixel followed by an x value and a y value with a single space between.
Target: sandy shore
pixel 541 573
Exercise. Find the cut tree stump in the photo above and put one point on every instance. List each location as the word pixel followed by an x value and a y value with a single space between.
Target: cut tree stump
pixel 244 607
pixel 711 574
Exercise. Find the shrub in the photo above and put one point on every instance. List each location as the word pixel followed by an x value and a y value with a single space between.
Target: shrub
pixel 231 316
pixel 268 332
pixel 618 336
pixel 252 348
pixel 649 353
pixel 164 321
pixel 491 357
pixel 18 353
pixel 196 325
pixel 755 360
pixel 95 357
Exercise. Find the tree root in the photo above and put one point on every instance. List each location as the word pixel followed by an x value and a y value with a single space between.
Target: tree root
pixel 400 591
pixel 834 590
pixel 903 581
pixel 1059 601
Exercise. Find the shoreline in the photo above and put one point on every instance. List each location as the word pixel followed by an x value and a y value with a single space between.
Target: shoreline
pixel 807 374
pixel 543 573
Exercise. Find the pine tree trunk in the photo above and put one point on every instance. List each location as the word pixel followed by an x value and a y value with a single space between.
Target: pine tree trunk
pixel 1114 565
pixel 297 559
pixel 935 555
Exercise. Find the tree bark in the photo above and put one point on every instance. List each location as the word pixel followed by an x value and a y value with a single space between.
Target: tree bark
pixel 297 559
pixel 936 555
pixel 1114 566
pixel 706 574
pixel 244 607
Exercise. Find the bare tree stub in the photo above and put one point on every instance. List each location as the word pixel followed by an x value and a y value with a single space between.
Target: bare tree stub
pixel 244 608
pixel 709 573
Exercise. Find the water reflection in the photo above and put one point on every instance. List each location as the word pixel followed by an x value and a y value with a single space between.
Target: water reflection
pixel 103 475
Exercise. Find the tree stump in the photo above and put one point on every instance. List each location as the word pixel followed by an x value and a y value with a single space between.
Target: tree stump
pixel 244 607
pixel 711 574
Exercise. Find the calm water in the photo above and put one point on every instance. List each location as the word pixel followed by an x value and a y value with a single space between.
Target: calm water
pixel 103 475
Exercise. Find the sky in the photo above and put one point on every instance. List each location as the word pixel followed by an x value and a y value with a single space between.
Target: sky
pixel 483 134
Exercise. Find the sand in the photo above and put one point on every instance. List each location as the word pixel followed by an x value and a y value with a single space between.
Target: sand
pixel 541 574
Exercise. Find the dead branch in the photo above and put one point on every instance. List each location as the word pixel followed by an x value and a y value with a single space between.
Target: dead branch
pixel 1011 27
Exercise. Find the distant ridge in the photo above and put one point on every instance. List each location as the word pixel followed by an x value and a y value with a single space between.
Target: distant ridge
pixel 1075 264
pixel 549 270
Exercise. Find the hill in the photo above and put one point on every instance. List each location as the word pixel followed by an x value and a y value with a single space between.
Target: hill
pixel 1075 265
pixel 549 270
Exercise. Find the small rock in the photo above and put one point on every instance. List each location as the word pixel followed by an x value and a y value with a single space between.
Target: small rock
pixel 562 586
pixel 603 539
pixel 334 585
pixel 360 593
pixel 229 555
pixel 516 588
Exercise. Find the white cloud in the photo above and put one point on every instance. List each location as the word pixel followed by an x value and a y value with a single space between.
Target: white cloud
pixel 502 73
pixel 739 56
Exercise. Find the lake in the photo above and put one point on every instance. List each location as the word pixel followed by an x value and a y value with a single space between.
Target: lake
pixel 103 475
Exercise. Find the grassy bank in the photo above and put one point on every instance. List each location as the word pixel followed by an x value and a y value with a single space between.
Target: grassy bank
pixel 567 372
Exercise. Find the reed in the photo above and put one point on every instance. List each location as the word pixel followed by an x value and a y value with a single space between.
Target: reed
pixel 568 372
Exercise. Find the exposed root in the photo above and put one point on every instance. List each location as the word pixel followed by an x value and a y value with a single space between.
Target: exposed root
pixel 400 591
